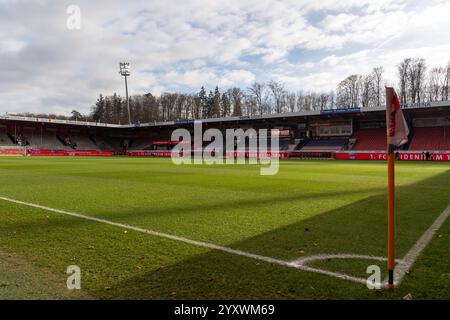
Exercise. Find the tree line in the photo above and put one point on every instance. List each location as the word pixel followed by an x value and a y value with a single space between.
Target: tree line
pixel 415 83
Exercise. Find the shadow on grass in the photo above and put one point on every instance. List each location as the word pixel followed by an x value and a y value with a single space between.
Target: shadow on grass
pixel 356 228
pixel 359 227
pixel 148 212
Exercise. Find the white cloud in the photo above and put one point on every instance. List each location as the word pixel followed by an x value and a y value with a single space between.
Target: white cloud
pixel 236 78
pixel 11 46
pixel 338 22
pixel 181 45
pixel 193 79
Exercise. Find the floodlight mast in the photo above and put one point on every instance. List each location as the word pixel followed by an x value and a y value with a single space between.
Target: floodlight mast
pixel 125 72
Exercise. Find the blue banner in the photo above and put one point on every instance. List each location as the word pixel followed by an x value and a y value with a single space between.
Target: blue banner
pixel 338 111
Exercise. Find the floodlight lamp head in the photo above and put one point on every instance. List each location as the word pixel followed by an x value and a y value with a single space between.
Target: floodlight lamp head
pixel 124 69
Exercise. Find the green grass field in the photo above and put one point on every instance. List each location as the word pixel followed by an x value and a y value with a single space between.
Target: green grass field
pixel 308 208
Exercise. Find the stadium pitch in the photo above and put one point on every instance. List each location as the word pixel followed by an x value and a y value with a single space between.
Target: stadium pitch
pixel 147 229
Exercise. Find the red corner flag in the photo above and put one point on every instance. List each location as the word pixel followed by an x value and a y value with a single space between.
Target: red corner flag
pixel 397 128
pixel 397 134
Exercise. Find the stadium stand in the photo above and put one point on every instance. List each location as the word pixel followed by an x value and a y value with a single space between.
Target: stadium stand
pixel 18 139
pixel 47 140
pixel 324 145
pixel 83 142
pixel 100 143
pixel 148 144
pixel 431 138
pixel 284 145
pixel 108 142
pixel 369 139
pixel 140 144
pixel 67 141
pixel 312 135
pixel 5 140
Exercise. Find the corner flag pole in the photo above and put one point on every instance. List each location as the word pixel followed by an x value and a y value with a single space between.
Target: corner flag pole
pixel 390 126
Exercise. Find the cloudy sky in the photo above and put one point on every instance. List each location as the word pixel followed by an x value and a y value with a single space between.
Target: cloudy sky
pixel 181 45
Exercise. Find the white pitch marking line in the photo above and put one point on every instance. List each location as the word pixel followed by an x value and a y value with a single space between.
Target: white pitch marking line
pixel 402 265
pixel 411 256
pixel 154 233
pixel 341 276
pixel 303 261
pixel 408 260
pixel 190 241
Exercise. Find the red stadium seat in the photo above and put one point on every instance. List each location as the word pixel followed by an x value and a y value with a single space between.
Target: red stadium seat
pixel 370 139
pixel 431 138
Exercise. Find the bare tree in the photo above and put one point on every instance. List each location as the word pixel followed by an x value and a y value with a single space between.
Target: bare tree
pixel 236 100
pixel 403 71
pixel 180 105
pixel 411 74
pixel 301 101
pixel 378 82
pixel 331 100
pixel 416 80
pixel 323 101
pixel 257 96
pixel 249 105
pixel 438 83
pixel 292 101
pixel 167 101
pixel 278 94
pixel 348 92
pixel 369 90
pixel 445 83
pixel 434 84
